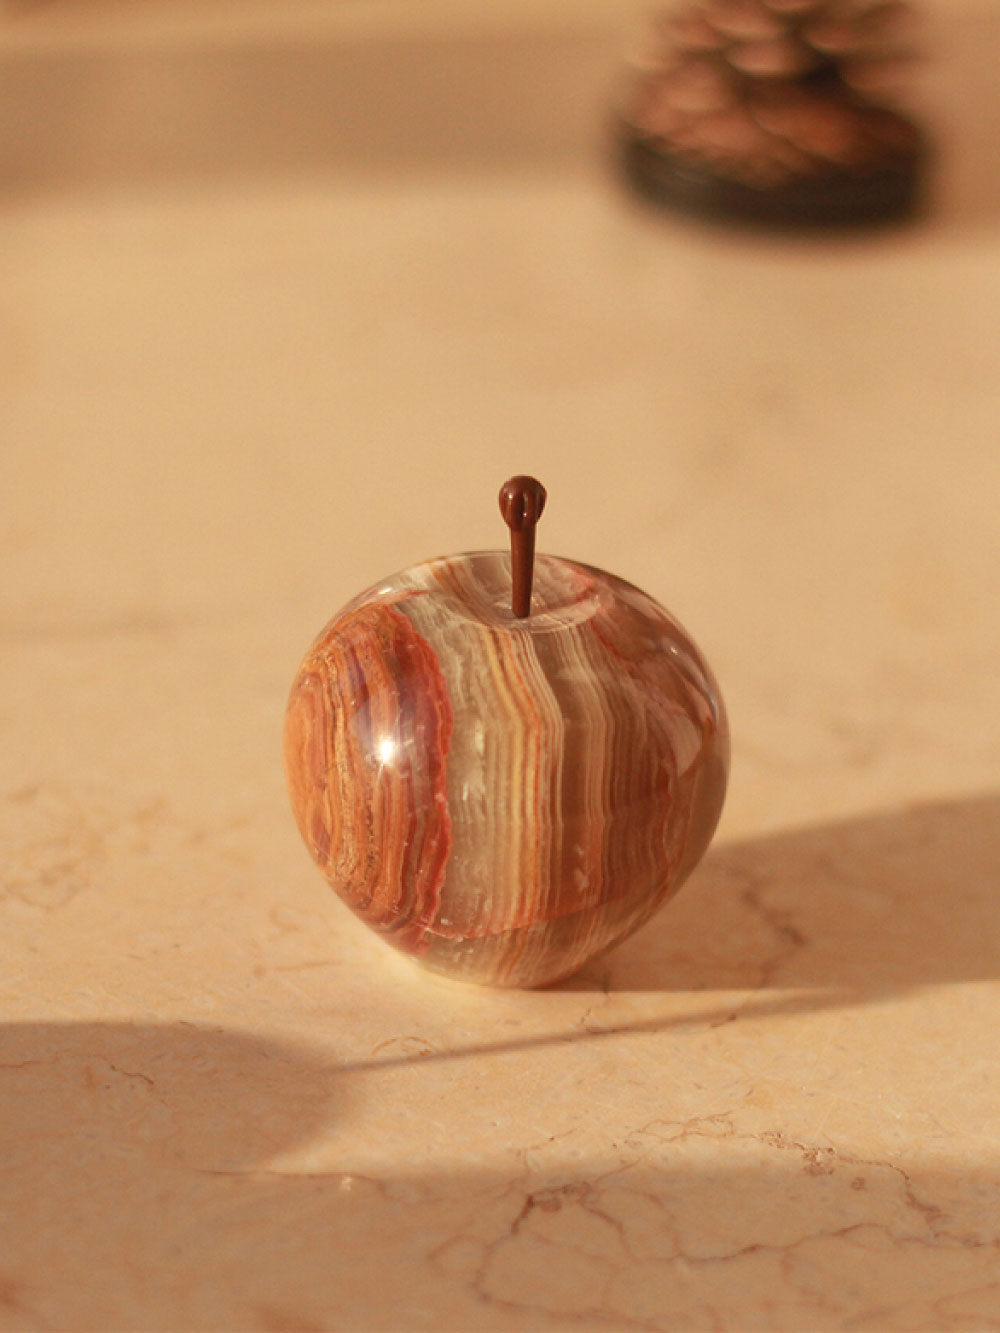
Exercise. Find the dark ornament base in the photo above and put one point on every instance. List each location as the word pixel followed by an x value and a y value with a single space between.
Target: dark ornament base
pixel 878 193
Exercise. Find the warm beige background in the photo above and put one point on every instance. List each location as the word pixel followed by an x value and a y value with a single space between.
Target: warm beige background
pixel 282 304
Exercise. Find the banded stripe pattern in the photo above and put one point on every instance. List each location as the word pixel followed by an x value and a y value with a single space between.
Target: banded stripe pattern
pixel 504 798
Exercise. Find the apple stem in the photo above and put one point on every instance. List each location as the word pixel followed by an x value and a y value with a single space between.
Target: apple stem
pixel 522 500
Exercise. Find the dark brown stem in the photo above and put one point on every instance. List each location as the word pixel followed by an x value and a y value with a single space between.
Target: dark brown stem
pixel 522 500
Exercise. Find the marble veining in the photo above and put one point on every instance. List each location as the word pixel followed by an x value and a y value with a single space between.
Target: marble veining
pixel 504 798
pixel 224 1105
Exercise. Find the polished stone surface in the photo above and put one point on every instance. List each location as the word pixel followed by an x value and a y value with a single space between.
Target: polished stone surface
pixel 503 799
pixel 226 404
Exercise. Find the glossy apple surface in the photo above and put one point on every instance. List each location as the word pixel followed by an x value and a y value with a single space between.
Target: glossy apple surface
pixel 504 798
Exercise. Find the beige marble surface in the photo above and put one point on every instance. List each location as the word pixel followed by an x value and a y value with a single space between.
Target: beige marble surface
pixel 228 385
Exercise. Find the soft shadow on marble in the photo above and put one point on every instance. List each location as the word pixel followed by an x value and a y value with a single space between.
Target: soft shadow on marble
pixel 189 1094
pixel 146 1198
pixel 652 1159
pixel 866 908
pixel 843 916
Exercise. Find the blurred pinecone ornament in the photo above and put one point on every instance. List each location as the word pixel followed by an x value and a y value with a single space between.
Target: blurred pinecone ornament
pixel 776 111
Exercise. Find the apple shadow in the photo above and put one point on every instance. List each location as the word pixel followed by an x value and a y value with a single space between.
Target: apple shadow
pixel 144 1187
pixel 858 909
pixel 843 915
pixel 141 1192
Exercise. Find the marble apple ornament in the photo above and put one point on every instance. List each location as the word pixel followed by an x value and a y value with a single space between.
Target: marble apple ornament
pixel 505 766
